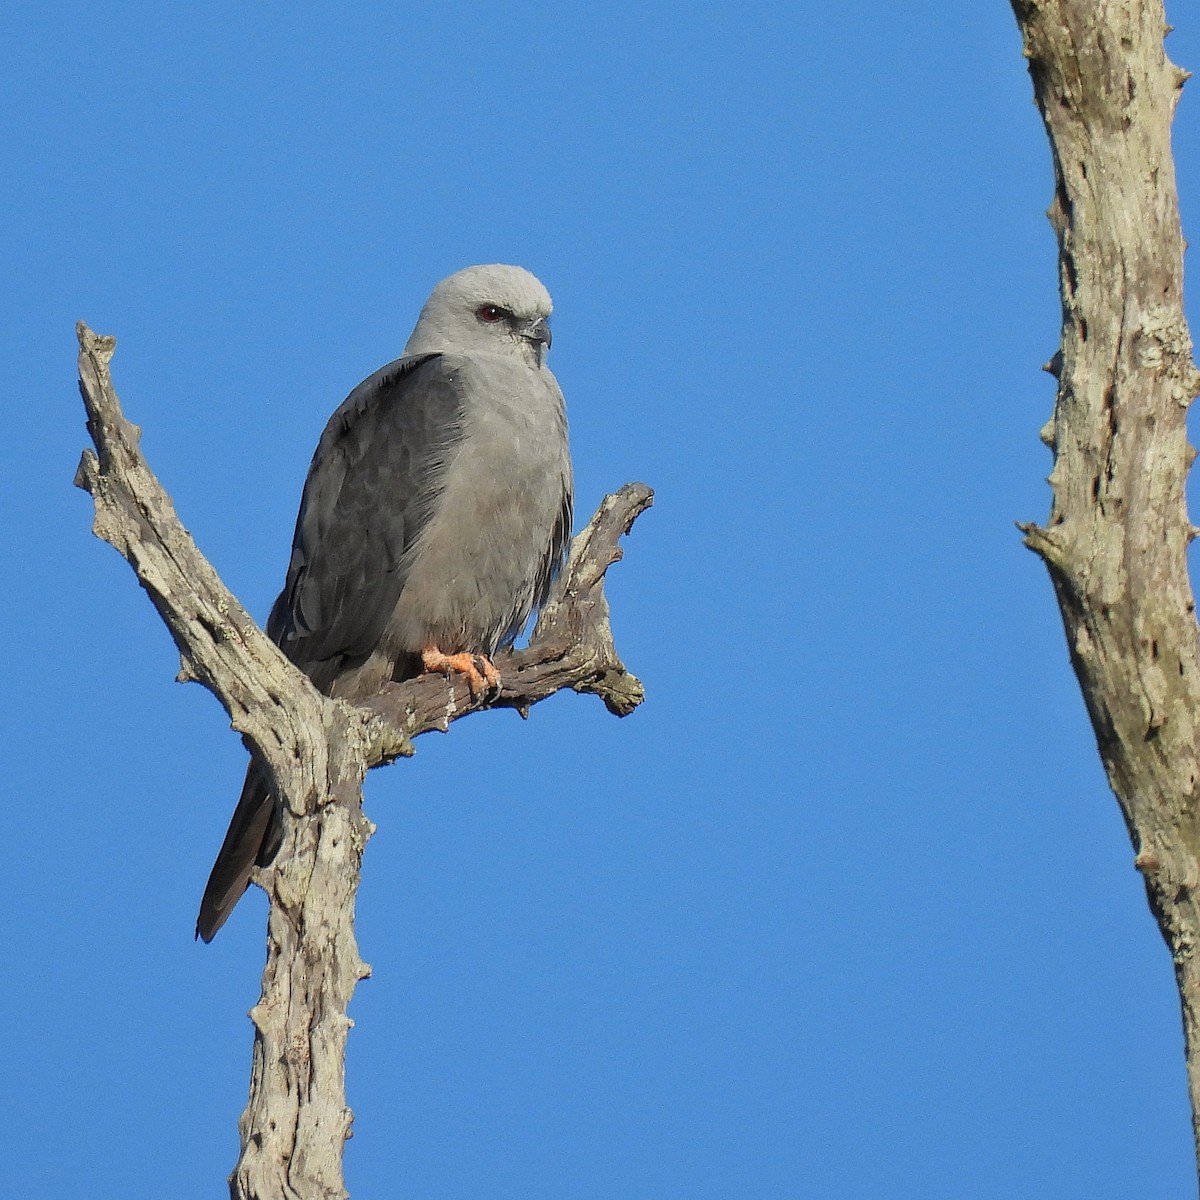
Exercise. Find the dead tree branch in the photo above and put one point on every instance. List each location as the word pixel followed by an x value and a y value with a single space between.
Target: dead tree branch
pixel 1116 541
pixel 317 751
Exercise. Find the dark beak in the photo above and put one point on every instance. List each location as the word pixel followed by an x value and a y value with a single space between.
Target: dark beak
pixel 538 332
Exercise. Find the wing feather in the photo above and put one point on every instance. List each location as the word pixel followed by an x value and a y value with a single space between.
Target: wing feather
pixel 369 492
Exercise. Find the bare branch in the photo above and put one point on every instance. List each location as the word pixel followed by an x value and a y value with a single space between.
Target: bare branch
pixel 267 699
pixel 317 751
pixel 1116 542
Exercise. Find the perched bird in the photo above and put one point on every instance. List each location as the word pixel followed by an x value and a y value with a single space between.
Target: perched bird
pixel 435 515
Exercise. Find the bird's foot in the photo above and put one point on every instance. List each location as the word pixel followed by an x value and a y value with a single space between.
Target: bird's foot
pixel 478 670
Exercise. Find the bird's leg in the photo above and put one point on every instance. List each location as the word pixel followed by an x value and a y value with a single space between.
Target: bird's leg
pixel 477 669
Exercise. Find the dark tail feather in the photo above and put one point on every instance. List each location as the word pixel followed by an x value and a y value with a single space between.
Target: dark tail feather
pixel 252 840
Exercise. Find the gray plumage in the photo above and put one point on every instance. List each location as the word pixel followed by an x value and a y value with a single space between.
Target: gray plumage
pixel 434 517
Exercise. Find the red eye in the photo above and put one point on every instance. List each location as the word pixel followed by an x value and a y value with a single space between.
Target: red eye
pixel 489 313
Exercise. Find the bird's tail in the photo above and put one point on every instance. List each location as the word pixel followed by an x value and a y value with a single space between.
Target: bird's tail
pixel 252 840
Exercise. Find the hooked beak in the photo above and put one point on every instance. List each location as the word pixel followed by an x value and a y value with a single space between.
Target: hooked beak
pixel 538 331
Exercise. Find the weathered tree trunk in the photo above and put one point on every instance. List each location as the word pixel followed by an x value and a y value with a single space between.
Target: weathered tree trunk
pixel 1116 542
pixel 317 751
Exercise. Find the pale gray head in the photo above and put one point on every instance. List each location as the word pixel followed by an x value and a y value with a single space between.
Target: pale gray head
pixel 492 309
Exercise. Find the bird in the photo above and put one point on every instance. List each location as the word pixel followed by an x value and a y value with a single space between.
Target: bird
pixel 435 515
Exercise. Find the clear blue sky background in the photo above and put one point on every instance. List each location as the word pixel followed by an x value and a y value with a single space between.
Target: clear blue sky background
pixel 846 909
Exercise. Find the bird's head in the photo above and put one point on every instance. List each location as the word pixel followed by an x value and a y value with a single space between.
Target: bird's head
pixel 493 309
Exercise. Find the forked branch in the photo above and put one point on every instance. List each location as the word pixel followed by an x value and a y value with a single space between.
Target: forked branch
pixel 317 751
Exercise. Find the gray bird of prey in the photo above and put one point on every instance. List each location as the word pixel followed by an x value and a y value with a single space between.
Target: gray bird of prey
pixel 434 518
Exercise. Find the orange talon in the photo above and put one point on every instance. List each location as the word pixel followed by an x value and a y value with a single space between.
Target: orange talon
pixel 478 670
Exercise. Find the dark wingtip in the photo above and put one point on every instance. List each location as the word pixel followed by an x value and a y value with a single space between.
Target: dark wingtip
pixel 210 919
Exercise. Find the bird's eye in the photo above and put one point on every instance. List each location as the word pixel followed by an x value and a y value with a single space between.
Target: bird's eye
pixel 489 314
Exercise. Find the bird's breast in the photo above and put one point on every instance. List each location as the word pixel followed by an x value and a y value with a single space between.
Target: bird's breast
pixel 472 577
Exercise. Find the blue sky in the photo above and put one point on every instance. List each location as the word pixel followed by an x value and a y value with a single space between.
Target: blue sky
pixel 846 908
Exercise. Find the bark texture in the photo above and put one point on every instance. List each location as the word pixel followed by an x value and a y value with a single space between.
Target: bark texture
pixel 1117 538
pixel 317 751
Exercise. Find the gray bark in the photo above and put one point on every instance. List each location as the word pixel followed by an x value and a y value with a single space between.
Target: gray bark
pixel 1116 541
pixel 317 751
